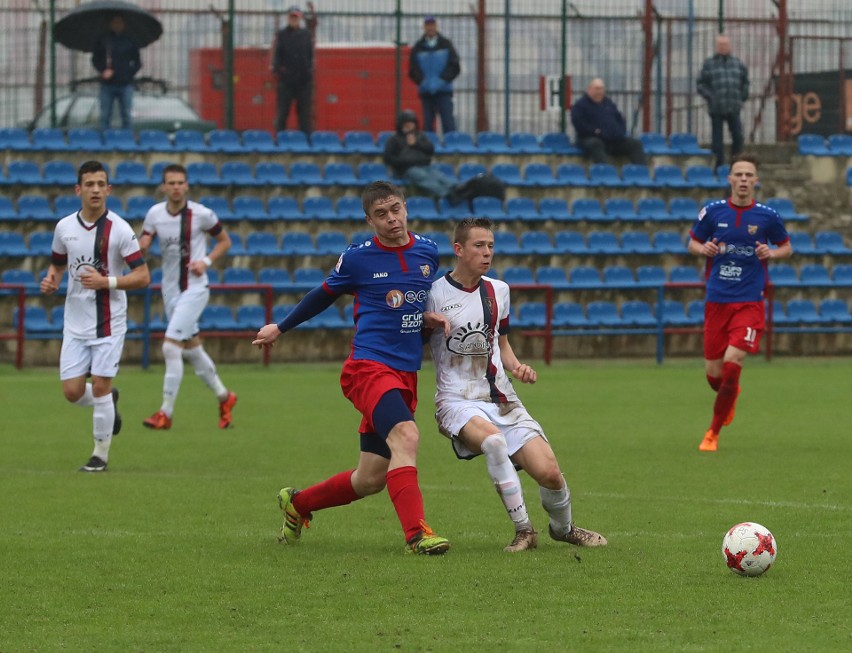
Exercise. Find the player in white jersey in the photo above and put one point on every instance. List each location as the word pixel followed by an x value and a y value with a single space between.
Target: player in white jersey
pixel 476 405
pixel 94 244
pixel 182 228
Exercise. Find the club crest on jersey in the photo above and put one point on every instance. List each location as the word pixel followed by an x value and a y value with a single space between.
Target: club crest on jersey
pixel 471 340
pixel 85 264
pixel 752 229
pixel 489 304
pixel 395 298
pixel 702 213
pixel 426 270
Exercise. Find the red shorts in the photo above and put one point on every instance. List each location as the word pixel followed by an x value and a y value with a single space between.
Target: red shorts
pixel 737 325
pixel 364 382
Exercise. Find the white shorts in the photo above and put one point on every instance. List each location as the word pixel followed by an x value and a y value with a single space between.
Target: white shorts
pixel 184 310
pixel 98 356
pixel 513 420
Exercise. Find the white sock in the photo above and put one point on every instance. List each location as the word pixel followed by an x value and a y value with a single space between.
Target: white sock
pixel 87 399
pixel 206 370
pixel 557 503
pixel 103 417
pixel 506 480
pixel 173 355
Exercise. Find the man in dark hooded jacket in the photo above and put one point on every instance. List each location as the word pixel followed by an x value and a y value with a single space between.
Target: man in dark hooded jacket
pixel 293 63
pixel 433 66
pixel 409 152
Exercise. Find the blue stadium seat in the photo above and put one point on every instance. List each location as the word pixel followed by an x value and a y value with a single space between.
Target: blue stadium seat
pixel 454 211
pixel 12 244
pixel 459 143
pixel 237 248
pixel 803 311
pixel 537 242
pixel 587 208
pixel 280 311
pixel 584 275
pixel 284 208
pixel 518 274
pixel 603 242
pixel 558 143
pixel 685 143
pixel 216 317
pixel 509 174
pixel 297 243
pixel 835 310
pixel 114 203
pixel 524 143
pixel 331 243
pixel 220 206
pixel 382 138
pixel 489 142
pixel 306 173
pixel 841 275
pixel 156 176
pixel 695 311
pixel 554 208
pixel 651 275
pixel 652 209
pixel 684 274
pixel 249 207
pixel 238 173
pixel 604 314
pixel 155 140
pixel 442 240
pixel 620 209
pixel 363 236
pixel 638 313
pixel 448 170
pixel 40 243
pixel 251 316
pixel 330 318
pixel 785 209
pixel 261 243
pixel 637 176
pixel 326 142
pixel 319 208
pixel 669 242
pixel 569 315
pixel 16 139
pixel 814 274
pixel 532 315
pixel 7 209
pixel 341 174
pixel 120 140
pixel 26 173
pixel 779 313
pixel 469 170
pixel 419 208
pixel 360 142
pixel 35 319
pixel 35 207
pixel 570 242
pixel 783 274
pixel 17 275
pixel 489 207
pixel 59 173
pixel 269 173
pixel 188 140
pixel 57 319
pixel 293 141
pixel 704 177
pixel 308 278
pixel 370 171
pixel 636 242
pixel 522 208
pixel 238 276
pixel 203 173
pixel 506 244
pixel 670 177
pixel 259 140
pixel 130 173
pixel 674 313
pixel 655 144
pixel 571 174
pixel 224 141
pixel 684 208
pixel 49 139
pixel 840 144
pixel 276 277
pixel 605 175
pixel 618 275
pixel 82 139
pixel 349 207
pixel 539 175
pixel 552 275
pixel 802 243
pixel 830 242
pixel 813 144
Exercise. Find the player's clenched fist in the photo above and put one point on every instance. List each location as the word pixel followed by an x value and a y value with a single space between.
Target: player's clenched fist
pixel 267 336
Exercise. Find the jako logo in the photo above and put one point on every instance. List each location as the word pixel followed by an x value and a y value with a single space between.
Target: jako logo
pixel 379 275
pixel 394 299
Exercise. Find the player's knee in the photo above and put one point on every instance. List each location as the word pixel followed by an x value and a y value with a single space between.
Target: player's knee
pixel 73 394
pixel 368 484
pixel 404 438
pixel 551 477
pixel 494 446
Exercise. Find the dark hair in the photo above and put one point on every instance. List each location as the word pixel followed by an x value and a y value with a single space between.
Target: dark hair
pixel 463 228
pixel 174 167
pixel 379 190
pixel 745 157
pixel 89 167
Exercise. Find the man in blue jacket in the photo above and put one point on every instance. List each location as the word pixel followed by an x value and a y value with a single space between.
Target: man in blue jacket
pixel 116 58
pixel 433 67
pixel 601 129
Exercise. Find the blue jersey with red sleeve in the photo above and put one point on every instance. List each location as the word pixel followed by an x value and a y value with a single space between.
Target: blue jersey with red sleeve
pixel 736 274
pixel 390 285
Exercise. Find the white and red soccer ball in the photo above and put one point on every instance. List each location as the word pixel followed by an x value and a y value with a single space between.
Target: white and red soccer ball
pixel 749 549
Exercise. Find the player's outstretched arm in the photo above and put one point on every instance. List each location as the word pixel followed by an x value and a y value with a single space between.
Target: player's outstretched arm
pixel 521 371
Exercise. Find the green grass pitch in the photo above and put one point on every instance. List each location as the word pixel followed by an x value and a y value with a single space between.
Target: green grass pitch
pixel 174 548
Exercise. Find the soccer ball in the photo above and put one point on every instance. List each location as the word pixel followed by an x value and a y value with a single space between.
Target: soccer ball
pixel 749 549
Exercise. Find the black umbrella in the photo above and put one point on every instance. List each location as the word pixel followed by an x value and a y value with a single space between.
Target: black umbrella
pixel 82 28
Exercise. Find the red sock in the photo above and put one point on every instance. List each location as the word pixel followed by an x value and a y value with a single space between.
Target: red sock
pixel 335 491
pixel 407 500
pixel 726 396
pixel 715 382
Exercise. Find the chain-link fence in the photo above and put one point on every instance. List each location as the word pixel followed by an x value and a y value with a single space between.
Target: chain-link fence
pixel 515 55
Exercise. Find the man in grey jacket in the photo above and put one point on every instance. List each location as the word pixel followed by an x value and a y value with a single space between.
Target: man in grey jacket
pixel 723 82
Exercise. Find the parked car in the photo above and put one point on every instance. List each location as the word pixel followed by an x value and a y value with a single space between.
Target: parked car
pixel 153 108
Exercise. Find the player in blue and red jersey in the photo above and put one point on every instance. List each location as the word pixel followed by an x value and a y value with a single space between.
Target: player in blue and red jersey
pixel 390 276
pixel 734 235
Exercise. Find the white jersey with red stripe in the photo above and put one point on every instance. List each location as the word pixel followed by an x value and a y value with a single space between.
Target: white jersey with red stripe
pixel 467 364
pixel 183 239
pixel 106 246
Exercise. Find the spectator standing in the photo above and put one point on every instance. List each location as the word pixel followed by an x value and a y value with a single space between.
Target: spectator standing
pixel 409 152
pixel 94 245
pixel 601 129
pixel 116 57
pixel 433 66
pixel 723 83
pixel 293 64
